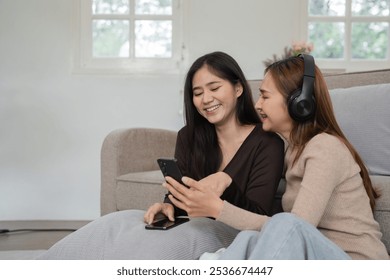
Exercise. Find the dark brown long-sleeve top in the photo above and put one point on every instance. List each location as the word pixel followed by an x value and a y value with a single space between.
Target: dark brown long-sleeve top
pixel 255 170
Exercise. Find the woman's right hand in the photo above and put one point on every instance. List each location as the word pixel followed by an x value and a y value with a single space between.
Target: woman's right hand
pixel 164 208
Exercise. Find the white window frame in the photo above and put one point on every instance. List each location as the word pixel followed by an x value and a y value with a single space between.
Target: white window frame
pixel 84 62
pixel 346 63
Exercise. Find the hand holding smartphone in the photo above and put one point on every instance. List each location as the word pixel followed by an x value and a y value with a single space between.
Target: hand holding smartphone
pixel 169 168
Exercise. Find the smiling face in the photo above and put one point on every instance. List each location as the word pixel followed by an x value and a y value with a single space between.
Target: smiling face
pixel 215 98
pixel 272 108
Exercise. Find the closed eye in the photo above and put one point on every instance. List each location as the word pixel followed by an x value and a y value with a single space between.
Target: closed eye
pixel 263 94
pixel 198 93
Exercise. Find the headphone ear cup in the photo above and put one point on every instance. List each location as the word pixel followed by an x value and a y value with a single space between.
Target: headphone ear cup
pixel 291 104
pixel 300 109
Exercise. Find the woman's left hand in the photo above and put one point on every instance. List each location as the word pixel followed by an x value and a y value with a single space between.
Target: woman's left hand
pixel 217 182
pixel 197 199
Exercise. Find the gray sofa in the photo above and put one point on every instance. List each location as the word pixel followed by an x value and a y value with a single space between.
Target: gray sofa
pixel 130 178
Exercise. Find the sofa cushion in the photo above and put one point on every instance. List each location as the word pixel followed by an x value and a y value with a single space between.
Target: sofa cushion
pixel 139 190
pixel 364 116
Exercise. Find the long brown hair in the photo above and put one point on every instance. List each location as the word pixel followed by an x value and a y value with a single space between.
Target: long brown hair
pixel 288 76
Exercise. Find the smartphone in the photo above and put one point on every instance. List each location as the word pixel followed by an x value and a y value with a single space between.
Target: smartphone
pixel 166 224
pixel 169 168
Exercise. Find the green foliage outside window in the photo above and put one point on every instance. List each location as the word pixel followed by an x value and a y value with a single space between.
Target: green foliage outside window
pixel 369 40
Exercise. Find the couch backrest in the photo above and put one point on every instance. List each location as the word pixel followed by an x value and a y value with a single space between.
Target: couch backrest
pixel 364 116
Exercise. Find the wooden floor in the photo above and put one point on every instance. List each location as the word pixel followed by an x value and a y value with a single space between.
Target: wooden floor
pixel 35 240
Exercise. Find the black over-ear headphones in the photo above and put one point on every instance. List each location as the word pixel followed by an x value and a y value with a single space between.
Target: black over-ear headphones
pixel 301 103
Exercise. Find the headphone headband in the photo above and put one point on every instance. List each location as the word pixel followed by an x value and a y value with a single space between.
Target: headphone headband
pixel 308 62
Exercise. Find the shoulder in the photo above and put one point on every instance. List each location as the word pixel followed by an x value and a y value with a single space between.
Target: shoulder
pixel 183 133
pixel 265 137
pixel 183 130
pixel 182 137
pixel 264 144
pixel 328 145
pixel 325 140
pixel 326 156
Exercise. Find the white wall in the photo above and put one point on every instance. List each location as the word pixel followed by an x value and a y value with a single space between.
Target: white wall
pixel 53 122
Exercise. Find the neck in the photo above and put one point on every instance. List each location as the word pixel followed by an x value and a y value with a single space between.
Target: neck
pixel 285 132
pixel 228 131
pixel 230 139
pixel 286 136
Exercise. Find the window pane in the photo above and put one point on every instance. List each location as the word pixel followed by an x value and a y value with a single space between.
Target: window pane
pixel 327 7
pixel 153 38
pixel 153 7
pixel 370 40
pixel 110 38
pixel 110 6
pixel 370 8
pixel 327 38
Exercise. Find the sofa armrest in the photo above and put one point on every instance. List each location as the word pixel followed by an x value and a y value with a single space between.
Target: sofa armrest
pixel 131 150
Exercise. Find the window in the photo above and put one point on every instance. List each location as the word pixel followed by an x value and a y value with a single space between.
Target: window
pixel 128 36
pixel 349 34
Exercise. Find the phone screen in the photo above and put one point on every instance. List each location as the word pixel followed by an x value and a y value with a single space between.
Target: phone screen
pixel 166 223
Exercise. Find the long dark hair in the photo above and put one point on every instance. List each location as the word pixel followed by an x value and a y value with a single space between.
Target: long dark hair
pixel 204 152
pixel 288 76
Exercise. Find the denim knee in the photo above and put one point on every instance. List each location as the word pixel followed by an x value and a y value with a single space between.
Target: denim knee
pixel 285 218
pixel 283 222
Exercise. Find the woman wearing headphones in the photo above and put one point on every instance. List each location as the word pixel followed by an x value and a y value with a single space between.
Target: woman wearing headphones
pixel 329 198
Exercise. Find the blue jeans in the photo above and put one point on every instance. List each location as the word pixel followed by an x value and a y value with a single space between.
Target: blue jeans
pixel 283 237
